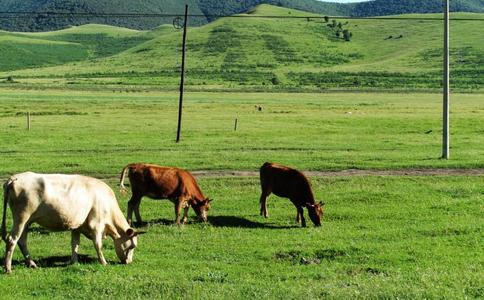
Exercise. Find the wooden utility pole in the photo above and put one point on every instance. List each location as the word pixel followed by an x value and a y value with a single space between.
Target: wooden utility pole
pixel 182 82
pixel 445 137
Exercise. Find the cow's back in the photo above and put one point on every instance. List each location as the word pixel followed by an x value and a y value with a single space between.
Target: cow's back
pixel 286 182
pixel 159 182
pixel 60 202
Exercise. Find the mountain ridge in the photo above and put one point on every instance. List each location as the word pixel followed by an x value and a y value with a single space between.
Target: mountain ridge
pixel 209 10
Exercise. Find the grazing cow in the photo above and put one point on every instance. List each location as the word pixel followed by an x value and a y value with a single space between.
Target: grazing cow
pixel 65 202
pixel 289 183
pixel 156 182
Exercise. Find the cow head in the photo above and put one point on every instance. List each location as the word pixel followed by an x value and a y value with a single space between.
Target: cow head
pixel 125 245
pixel 315 212
pixel 201 208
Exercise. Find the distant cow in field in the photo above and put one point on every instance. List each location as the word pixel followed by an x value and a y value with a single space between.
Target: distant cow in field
pixel 156 182
pixel 65 202
pixel 289 183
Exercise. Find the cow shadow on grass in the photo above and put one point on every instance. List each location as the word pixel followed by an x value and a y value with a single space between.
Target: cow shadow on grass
pixel 59 261
pixel 153 222
pixel 39 230
pixel 238 222
pixel 215 221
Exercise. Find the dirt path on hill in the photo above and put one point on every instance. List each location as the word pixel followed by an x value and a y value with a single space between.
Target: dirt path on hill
pixel 353 172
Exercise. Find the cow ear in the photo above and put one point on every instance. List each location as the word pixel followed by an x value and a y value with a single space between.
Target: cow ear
pixel 209 200
pixel 321 203
pixel 130 232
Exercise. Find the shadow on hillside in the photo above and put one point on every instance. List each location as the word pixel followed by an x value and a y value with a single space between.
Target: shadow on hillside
pixel 231 221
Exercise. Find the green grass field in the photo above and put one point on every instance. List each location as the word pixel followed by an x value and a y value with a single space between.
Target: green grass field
pixel 382 237
pixel 101 97
pixel 100 132
pixel 262 54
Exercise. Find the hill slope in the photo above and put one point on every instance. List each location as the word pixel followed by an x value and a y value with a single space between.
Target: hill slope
pixel 265 53
pixel 208 9
pixel 30 50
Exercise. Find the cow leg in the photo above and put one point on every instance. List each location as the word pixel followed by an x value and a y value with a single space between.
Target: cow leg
pixel 185 215
pixel 22 243
pixel 75 240
pixel 300 212
pixel 98 244
pixel 298 217
pixel 263 203
pixel 133 205
pixel 178 206
pixel 17 230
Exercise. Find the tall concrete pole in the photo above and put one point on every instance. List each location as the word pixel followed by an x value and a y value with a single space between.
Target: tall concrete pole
pixel 446 131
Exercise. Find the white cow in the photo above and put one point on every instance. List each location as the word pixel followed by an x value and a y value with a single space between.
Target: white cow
pixel 65 202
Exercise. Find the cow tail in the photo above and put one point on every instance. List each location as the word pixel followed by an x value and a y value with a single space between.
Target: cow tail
pixel 122 188
pixel 6 190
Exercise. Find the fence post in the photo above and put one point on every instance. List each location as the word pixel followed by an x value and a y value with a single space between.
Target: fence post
pixel 182 81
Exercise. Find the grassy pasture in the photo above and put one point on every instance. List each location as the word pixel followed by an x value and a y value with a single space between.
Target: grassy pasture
pixel 100 132
pixel 383 237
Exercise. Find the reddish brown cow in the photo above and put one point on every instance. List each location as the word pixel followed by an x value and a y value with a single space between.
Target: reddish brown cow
pixel 289 183
pixel 156 182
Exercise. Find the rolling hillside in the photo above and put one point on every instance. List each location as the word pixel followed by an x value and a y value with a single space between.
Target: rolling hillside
pixel 261 53
pixel 207 9
pixel 30 50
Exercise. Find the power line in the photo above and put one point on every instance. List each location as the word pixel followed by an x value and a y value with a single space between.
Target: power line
pixel 17 14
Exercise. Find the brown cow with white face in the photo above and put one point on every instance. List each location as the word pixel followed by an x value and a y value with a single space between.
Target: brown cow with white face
pixel 289 183
pixel 157 182
pixel 57 202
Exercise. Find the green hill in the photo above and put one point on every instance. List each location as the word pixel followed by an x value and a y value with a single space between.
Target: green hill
pixel 261 53
pixel 207 9
pixel 29 50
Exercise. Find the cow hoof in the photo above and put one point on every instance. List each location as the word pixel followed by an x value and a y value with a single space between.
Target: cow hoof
pixel 31 264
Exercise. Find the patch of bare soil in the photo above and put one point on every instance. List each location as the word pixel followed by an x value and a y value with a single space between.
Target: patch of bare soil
pixel 353 172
